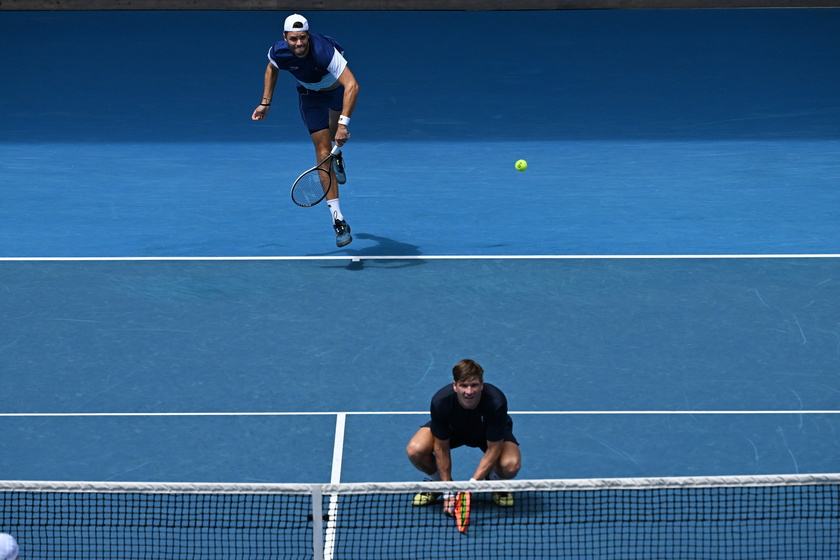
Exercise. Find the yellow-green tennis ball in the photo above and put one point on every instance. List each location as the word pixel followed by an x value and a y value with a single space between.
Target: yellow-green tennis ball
pixel 521 165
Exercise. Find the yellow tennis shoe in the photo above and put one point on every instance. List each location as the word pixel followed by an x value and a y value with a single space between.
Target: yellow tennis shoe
pixel 425 498
pixel 503 499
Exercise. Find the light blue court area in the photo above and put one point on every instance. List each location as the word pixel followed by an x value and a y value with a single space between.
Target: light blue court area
pixel 646 132
pixel 321 369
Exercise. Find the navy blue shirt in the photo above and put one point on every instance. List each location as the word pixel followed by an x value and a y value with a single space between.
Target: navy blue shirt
pixel 489 421
pixel 320 67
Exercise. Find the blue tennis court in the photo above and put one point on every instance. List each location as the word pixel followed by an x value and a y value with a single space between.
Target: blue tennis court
pixel 657 294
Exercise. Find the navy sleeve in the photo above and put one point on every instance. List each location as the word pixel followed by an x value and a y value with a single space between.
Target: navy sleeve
pixel 440 417
pixel 497 413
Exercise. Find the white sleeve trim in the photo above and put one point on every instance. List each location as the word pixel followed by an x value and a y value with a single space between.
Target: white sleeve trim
pixel 337 64
pixel 334 70
pixel 271 60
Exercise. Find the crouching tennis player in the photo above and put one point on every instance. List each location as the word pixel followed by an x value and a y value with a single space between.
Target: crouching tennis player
pixel 472 413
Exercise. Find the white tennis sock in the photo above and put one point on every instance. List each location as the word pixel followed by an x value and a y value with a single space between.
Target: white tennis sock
pixel 335 209
pixel 435 476
pixel 493 475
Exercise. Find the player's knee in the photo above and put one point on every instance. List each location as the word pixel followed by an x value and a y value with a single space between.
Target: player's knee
pixel 507 471
pixel 416 452
pixel 420 448
pixel 508 467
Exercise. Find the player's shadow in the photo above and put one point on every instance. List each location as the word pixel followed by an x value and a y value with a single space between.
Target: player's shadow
pixel 391 250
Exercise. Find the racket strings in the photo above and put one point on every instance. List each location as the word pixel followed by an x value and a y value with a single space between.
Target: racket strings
pixel 311 187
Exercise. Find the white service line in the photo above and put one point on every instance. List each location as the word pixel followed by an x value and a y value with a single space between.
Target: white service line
pixel 425 257
pixel 341 417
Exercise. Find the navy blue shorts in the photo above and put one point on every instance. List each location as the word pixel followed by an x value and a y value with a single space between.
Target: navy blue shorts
pixel 455 441
pixel 315 106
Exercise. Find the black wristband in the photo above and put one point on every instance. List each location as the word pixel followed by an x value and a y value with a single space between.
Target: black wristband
pixel 265 104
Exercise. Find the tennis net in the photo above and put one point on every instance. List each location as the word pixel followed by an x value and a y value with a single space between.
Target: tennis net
pixel 767 517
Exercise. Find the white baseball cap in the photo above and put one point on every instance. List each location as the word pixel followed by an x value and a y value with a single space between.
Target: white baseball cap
pixel 292 20
pixel 8 547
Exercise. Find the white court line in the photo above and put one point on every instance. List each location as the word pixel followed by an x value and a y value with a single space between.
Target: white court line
pixel 341 416
pixel 338 447
pixel 424 257
pixel 335 478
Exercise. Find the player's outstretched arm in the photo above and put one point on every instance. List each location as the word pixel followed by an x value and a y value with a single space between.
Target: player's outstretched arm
pixel 443 458
pixel 261 112
pixel 351 92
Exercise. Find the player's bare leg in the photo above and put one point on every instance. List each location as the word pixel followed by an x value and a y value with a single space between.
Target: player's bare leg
pixel 420 451
pixel 510 461
pixel 322 140
pixel 507 467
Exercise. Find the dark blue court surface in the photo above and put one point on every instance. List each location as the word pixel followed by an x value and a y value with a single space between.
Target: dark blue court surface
pixel 127 135
pixel 647 132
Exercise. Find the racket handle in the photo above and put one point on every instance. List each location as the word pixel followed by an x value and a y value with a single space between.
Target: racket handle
pixel 335 151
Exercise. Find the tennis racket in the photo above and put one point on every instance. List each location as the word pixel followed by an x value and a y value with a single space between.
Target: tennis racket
pixel 462 511
pixel 313 185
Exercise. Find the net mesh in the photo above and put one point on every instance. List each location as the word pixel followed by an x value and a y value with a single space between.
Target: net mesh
pixel 707 518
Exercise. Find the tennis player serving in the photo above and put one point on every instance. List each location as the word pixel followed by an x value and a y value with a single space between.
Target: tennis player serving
pixel 472 413
pixel 327 91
